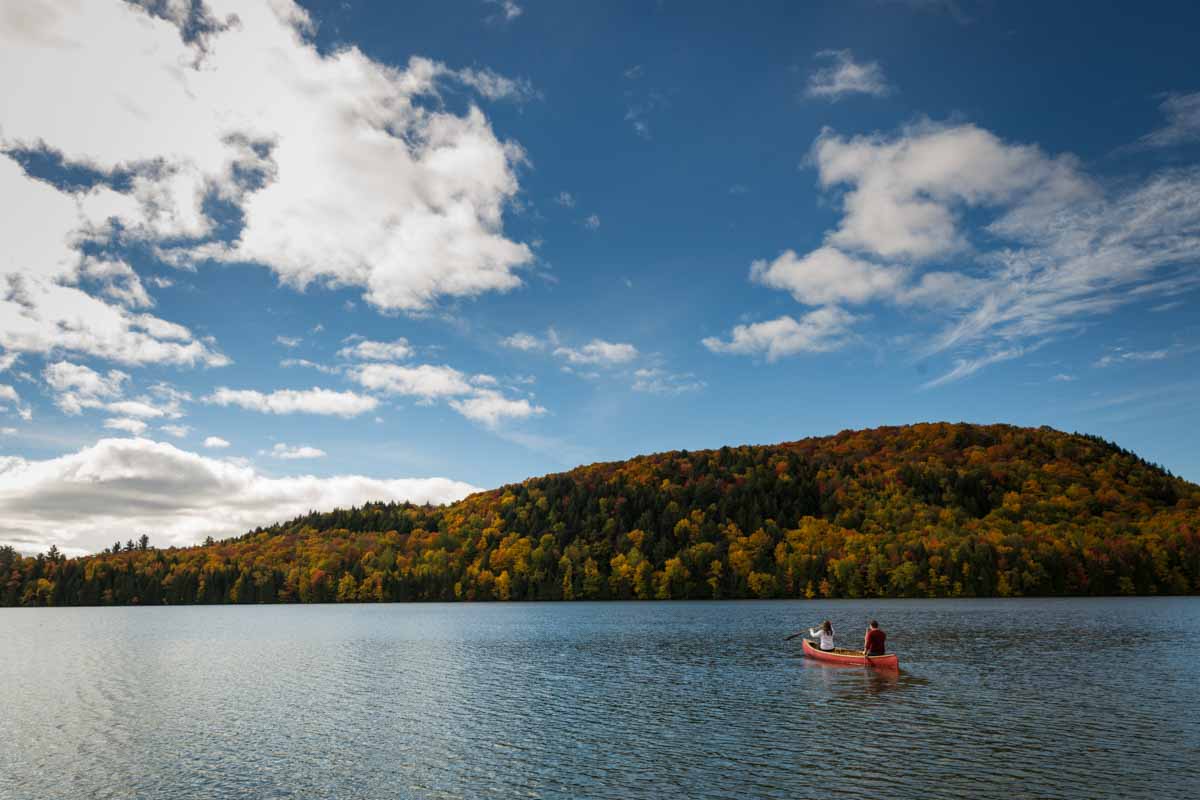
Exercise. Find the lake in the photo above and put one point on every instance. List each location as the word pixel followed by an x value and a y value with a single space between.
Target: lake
pixel 1087 698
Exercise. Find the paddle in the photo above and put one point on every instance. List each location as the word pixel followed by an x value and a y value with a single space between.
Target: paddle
pixel 799 633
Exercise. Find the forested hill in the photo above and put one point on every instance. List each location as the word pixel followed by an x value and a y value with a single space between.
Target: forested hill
pixel 915 511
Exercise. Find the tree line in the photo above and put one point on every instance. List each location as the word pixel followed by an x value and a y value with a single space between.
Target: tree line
pixel 931 510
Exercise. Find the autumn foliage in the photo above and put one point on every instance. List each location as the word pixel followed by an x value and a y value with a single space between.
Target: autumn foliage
pixel 931 510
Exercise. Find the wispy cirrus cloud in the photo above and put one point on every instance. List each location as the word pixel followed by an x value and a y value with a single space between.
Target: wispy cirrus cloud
pixel 1048 248
pixel 1182 112
pixel 843 76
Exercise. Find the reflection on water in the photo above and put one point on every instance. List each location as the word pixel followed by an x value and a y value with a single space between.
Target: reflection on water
pixel 994 699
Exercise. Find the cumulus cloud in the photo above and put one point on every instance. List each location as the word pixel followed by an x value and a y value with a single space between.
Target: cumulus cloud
pixel 907 193
pixel 127 424
pixel 471 396
pixel 817 331
pixel 600 352
pixel 342 171
pixel 827 275
pixel 489 407
pixel 295 401
pixel 295 453
pixel 215 443
pixel 1009 243
pixel 44 302
pixel 565 199
pixel 367 350
pixel 844 76
pixel 117 280
pixel 426 381
pixel 78 386
pixel 178 431
pixel 592 222
pixel 84 500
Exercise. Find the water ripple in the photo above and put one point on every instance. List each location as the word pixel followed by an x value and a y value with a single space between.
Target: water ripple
pixel 1047 699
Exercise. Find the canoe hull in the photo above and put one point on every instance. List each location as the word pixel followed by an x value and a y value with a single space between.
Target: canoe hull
pixel 851 658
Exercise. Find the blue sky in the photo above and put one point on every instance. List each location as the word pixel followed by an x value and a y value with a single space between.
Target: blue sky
pixel 341 251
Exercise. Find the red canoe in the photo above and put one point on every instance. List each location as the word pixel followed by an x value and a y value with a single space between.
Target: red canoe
pixel 851 657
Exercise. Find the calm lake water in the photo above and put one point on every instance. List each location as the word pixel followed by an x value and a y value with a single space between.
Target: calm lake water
pixel 995 699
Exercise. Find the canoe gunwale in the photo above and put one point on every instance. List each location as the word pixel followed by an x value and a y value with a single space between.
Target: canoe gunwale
pixel 850 657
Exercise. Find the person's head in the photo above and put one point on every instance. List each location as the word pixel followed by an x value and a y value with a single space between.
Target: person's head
pixel 874 624
pixel 827 626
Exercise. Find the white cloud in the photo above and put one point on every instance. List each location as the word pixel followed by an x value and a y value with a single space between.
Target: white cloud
pixel 304 362
pixel 10 395
pixel 1183 121
pixel 341 170
pixel 817 331
pixel 906 193
pixel 508 10
pixel 653 380
pixel 137 408
pixel 367 350
pixel 117 280
pixel 598 351
pixel 489 407
pixel 84 500
pixel 523 341
pixel 827 275
pixel 8 431
pixel 215 443
pixel 1063 377
pixel 592 222
pixel 845 76
pixel 127 424
pixel 495 87
pixel 296 453
pixel 565 199
pixel 178 431
pixel 293 401
pixel 42 307
pixel 471 396
pixel 288 341
pixel 969 366
pixel 1037 245
pixel 79 386
pixel 1120 355
pixel 426 381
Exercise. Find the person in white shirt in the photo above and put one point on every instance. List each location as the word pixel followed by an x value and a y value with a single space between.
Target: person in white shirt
pixel 825 634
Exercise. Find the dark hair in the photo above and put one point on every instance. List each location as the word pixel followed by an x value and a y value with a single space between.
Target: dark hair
pixel 874 624
pixel 827 626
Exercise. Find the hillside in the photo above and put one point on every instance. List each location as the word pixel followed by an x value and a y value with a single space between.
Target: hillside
pixel 915 511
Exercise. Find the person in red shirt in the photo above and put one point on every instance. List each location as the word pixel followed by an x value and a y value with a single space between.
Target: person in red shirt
pixel 875 642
